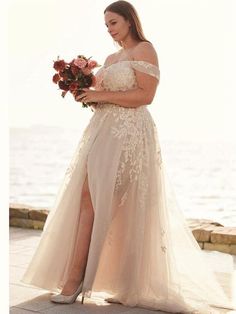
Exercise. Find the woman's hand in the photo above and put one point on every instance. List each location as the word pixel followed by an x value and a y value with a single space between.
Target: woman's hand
pixel 90 96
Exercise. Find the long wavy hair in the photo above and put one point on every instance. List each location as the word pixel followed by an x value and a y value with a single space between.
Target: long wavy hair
pixel 125 9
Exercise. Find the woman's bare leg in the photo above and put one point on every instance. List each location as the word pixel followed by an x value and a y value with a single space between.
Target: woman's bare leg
pixel 78 266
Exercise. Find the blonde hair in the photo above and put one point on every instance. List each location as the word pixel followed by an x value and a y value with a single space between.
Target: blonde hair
pixel 125 9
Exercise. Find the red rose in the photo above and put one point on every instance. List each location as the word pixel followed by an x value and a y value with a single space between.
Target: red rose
pixel 56 78
pixel 59 65
pixel 64 75
pixel 63 85
pixel 73 86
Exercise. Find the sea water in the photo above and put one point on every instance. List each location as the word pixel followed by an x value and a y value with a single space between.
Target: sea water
pixel 203 174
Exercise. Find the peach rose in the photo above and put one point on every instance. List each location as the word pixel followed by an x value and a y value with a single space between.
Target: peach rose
pixel 86 71
pixel 92 64
pixel 81 63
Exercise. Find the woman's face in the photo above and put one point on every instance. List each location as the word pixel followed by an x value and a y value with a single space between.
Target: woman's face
pixel 117 26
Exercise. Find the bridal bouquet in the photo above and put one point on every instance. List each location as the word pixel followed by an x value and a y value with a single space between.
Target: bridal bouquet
pixel 74 76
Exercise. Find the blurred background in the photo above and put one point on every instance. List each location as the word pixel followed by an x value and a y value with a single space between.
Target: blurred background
pixel 193 108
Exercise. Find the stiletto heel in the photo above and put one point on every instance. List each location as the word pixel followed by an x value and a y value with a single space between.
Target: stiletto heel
pixel 68 299
pixel 82 301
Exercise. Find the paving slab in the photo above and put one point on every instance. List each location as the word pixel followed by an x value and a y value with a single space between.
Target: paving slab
pixel 16 310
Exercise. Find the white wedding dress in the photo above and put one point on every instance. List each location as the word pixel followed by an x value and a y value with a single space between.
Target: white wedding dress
pixel 142 251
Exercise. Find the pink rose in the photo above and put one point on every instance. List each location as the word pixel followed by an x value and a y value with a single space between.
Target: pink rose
pixel 79 62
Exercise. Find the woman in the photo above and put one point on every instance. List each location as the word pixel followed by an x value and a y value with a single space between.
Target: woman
pixel 115 227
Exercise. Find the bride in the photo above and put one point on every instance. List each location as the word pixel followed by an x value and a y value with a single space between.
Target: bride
pixel 115 226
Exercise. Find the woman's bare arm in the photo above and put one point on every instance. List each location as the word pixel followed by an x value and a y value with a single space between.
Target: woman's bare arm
pixel 146 84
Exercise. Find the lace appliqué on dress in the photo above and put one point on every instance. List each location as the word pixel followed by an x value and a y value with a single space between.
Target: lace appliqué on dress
pixel 132 127
pixel 147 68
pixel 129 128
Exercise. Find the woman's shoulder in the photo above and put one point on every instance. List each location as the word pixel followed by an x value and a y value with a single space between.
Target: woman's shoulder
pixel 145 51
pixel 110 58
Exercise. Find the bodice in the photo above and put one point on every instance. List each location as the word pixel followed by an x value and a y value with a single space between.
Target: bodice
pixel 120 76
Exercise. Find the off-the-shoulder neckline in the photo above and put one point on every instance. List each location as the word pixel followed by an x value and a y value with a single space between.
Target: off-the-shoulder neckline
pixel 109 65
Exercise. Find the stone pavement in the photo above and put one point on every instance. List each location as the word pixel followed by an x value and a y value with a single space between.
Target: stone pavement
pixel 26 300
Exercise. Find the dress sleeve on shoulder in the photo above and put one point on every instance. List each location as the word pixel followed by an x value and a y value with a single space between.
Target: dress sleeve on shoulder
pixel 146 67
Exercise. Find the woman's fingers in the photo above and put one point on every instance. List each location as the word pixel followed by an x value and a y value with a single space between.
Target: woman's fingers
pixel 84 96
pixel 80 97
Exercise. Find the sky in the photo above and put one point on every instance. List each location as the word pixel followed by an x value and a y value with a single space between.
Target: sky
pixel 195 42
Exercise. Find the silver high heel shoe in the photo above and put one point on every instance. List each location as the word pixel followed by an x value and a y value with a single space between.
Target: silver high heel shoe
pixel 68 299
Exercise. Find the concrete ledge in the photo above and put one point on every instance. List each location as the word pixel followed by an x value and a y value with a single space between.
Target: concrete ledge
pixel 209 234
pixel 225 235
pixel 213 236
pixel 26 223
pixel 221 247
pixel 26 216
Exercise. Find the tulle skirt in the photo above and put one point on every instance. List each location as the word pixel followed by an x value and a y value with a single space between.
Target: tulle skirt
pixel 142 251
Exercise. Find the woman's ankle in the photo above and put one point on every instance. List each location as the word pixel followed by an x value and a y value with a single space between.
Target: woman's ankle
pixel 70 287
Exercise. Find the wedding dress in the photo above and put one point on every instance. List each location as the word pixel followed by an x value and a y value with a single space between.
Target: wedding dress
pixel 142 251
